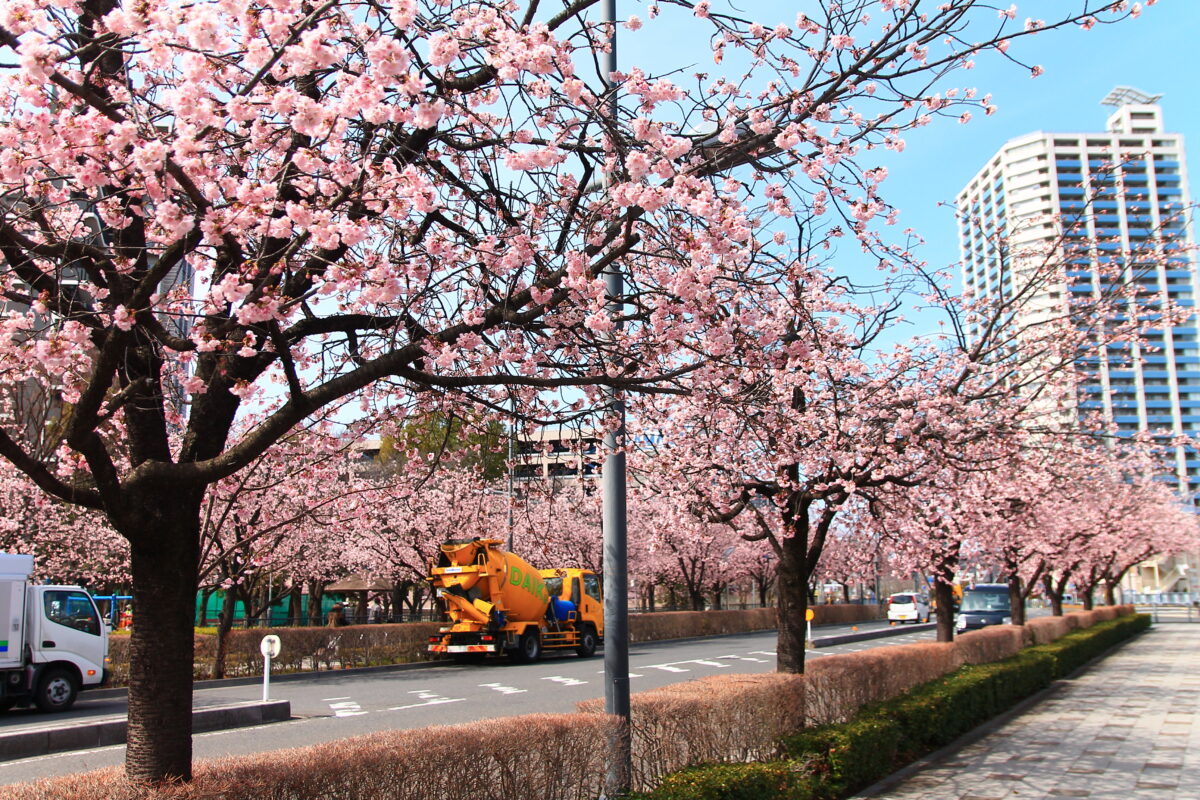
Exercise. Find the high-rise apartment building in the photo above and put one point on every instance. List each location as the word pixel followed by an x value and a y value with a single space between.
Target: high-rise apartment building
pixel 1103 198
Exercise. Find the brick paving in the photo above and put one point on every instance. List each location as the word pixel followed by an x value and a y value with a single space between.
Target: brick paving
pixel 1127 728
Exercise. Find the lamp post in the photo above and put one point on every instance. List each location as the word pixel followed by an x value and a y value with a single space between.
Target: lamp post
pixel 613 517
pixel 512 436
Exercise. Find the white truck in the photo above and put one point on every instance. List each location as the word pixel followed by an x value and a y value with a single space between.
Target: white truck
pixel 53 643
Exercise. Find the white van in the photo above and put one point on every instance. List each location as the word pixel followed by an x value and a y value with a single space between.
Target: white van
pixel 907 607
pixel 56 644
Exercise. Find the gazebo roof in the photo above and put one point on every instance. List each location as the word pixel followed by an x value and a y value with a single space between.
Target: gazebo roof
pixel 359 583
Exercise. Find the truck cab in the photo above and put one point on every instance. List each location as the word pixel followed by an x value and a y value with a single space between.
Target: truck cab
pixel 54 644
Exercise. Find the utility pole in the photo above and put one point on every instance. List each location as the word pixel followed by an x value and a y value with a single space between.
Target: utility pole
pixel 616 565
pixel 512 436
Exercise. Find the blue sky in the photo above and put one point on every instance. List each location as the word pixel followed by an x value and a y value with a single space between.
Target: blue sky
pixel 1157 53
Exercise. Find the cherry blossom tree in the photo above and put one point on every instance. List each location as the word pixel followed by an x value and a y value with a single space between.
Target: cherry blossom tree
pixel 307 489
pixel 70 545
pixel 280 207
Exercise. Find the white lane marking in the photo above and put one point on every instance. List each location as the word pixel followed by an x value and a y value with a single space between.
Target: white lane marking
pixel 746 658
pixel 427 698
pixel 762 652
pixel 632 674
pixel 564 681
pixel 710 663
pixel 347 708
pixel 666 667
pixel 502 689
pixel 428 703
pixel 330 699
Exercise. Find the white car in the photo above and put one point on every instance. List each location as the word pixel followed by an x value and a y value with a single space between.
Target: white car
pixel 907 607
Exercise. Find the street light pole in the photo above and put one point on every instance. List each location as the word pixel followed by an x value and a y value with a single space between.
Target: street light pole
pixel 616 566
pixel 512 435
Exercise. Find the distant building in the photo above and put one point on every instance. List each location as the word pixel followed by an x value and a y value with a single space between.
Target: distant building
pixel 555 452
pixel 1126 186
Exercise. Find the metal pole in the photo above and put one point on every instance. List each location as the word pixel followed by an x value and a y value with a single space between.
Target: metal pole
pixel 616 566
pixel 266 678
pixel 512 436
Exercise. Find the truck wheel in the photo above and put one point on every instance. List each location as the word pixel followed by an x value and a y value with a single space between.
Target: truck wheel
pixel 587 642
pixel 56 690
pixel 529 648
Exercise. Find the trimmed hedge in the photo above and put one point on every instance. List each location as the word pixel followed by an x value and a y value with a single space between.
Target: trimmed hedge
pixel 833 761
pixel 1079 647
pixel 782 779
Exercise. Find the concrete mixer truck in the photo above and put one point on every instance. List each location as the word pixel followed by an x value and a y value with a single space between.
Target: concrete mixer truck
pixel 499 604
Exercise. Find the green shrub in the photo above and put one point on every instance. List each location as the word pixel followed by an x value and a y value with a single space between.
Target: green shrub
pixel 939 712
pixel 776 780
pixel 850 755
pixel 883 736
pixel 1079 647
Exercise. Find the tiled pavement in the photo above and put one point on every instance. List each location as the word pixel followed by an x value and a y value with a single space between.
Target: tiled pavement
pixel 1127 728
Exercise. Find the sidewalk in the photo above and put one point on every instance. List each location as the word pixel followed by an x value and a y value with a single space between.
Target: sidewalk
pixel 1126 728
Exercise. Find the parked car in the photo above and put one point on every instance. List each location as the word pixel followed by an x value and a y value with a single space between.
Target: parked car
pixel 984 604
pixel 908 607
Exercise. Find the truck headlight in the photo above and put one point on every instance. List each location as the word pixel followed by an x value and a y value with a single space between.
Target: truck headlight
pixel 959 622
pixel 1006 621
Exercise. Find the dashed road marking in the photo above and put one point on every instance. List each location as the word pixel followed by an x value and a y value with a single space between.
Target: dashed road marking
pixel 331 699
pixel 564 681
pixel 347 708
pixel 763 653
pixel 502 689
pixel 427 698
pixel 746 658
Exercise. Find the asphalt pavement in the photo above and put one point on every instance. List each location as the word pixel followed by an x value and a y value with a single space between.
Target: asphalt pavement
pixel 332 705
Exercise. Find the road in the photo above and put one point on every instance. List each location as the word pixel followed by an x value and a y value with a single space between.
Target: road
pixel 329 705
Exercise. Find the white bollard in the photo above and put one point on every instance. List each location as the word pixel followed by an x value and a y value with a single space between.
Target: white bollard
pixel 269 647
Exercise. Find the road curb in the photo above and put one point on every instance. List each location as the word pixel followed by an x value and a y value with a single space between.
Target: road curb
pixel 863 636
pixel 108 731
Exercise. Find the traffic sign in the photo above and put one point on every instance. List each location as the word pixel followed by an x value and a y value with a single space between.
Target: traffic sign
pixel 269 646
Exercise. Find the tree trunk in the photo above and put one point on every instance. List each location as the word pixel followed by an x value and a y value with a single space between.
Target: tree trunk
pixel 762 594
pixel 202 611
pixel 1016 600
pixel 224 626
pixel 793 605
pixel 1110 593
pixel 943 593
pixel 164 558
pixel 696 599
pixel 293 615
pixel 1086 598
pixel 316 591
pixel 398 600
pixel 1055 595
pixel 717 599
pixel 650 597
